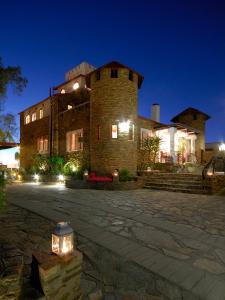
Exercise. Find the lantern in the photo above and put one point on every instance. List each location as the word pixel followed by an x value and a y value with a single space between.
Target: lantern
pixel 86 173
pixel 61 178
pixel 115 173
pixel 36 177
pixel 62 239
pixel 149 169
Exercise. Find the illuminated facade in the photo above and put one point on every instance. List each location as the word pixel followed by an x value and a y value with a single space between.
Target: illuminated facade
pixel 95 112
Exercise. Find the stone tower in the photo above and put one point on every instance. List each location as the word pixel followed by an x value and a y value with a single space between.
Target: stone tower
pixel 195 119
pixel 113 118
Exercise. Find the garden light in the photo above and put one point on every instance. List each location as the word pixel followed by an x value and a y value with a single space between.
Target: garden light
pixel 86 173
pixel 61 177
pixel 36 177
pixel 62 239
pixel 149 169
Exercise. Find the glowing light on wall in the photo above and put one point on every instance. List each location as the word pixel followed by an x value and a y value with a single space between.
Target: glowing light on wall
pixel 222 147
pixel 124 126
pixel 63 91
pixel 76 86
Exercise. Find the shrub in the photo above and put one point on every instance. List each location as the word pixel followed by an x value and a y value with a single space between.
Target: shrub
pixel 124 175
pixel 2 192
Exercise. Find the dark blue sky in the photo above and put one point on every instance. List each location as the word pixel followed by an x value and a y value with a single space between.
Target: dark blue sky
pixel 179 47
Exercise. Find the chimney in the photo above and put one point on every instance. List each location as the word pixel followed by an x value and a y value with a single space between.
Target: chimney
pixel 155 112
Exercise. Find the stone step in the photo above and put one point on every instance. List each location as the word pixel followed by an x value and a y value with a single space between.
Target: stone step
pixel 180 190
pixel 174 181
pixel 172 175
pixel 180 185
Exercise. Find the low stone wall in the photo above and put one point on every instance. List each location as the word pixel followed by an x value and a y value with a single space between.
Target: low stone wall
pixel 215 183
pixel 58 277
pixel 117 185
pixel 11 272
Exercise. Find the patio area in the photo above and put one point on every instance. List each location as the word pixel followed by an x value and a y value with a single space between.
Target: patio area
pixel 178 238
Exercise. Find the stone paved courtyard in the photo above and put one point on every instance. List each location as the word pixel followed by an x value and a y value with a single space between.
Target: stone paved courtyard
pixel 177 237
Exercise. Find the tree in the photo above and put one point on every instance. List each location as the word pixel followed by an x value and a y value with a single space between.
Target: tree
pixel 151 147
pixel 9 76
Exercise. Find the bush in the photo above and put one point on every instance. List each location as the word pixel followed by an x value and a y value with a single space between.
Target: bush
pixel 2 192
pixel 124 175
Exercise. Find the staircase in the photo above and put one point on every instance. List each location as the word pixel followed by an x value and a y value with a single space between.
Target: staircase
pixel 173 182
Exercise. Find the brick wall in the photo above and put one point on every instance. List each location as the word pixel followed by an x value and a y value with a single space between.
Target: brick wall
pixel 29 134
pixel 113 100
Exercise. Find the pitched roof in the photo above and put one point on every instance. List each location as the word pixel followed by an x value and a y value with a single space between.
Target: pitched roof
pixel 189 110
pixel 116 64
pixel 66 82
pixel 7 145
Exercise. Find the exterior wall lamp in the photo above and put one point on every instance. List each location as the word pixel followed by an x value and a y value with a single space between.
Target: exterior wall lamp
pixel 222 147
pixel 124 126
pixel 62 239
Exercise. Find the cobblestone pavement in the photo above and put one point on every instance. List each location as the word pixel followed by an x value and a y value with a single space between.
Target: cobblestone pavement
pixel 185 233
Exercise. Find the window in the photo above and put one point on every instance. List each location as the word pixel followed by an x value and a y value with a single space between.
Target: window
pixel 194 117
pixel 131 77
pixel 41 113
pixel 98 75
pixel 131 132
pixel 74 140
pixel 98 132
pixel 114 73
pixel 42 145
pixel 34 116
pixel 114 131
pixel 27 119
pixel 145 133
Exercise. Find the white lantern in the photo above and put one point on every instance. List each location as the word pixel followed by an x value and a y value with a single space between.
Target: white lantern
pixel 86 173
pixel 62 239
pixel 115 173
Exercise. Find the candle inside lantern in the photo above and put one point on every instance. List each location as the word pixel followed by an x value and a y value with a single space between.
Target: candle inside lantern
pixel 62 239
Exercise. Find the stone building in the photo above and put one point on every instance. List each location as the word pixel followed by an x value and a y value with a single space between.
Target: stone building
pixel 94 112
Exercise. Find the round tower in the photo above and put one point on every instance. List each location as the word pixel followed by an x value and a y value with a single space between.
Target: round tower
pixel 113 118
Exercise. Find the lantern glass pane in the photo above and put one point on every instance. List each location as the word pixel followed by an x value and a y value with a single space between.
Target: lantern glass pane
pixel 67 244
pixel 55 244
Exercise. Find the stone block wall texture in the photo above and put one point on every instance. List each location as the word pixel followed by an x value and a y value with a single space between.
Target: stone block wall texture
pixel 11 279
pixel 60 277
pixel 113 100
pixel 29 134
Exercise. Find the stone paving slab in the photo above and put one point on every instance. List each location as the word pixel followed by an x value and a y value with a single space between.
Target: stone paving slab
pixel 187 249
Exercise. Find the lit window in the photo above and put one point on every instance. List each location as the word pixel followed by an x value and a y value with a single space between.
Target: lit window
pixel 27 119
pixel 34 116
pixel 63 91
pixel 114 131
pixel 76 86
pixel 42 145
pixel 114 73
pixel 74 140
pixel 41 113
pixel 69 106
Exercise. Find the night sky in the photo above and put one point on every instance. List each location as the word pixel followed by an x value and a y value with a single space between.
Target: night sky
pixel 179 47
